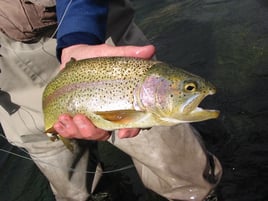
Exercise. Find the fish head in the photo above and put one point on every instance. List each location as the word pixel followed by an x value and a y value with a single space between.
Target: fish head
pixel 174 95
pixel 185 97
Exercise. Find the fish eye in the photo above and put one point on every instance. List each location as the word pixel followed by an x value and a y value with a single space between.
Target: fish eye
pixel 190 87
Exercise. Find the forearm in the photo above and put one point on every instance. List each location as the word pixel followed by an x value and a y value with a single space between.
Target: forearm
pixel 81 22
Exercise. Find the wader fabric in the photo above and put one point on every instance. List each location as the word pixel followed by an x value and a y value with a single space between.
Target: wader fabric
pixel 171 161
pixel 24 21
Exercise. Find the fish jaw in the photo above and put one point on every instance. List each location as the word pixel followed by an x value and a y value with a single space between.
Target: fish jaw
pixel 200 114
pixel 190 112
pixel 196 115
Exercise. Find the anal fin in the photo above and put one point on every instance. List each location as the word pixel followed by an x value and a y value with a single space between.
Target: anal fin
pixel 54 136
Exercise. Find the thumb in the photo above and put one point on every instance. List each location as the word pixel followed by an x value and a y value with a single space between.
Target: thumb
pixel 104 50
pixel 145 52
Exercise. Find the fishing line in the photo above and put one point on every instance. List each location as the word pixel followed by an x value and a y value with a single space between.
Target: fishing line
pixel 35 159
pixel 31 116
pixel 61 20
pixel 59 24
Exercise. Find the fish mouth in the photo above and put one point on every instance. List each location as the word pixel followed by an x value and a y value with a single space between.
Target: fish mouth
pixel 200 114
pixel 191 112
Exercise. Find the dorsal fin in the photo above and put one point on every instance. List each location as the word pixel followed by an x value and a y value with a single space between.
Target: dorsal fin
pixel 72 60
pixel 69 63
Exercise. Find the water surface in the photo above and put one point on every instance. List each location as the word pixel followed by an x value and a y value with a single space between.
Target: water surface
pixel 226 42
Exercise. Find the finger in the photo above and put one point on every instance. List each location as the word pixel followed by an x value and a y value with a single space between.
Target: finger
pixel 145 52
pixel 128 133
pixel 88 130
pixel 65 126
pixel 89 51
pixel 59 127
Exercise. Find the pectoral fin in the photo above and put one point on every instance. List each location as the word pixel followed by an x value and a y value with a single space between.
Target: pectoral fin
pixel 121 116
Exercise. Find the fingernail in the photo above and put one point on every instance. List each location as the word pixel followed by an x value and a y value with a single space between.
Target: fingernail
pixel 125 135
pixel 145 51
pixel 139 51
pixel 64 119
pixel 59 127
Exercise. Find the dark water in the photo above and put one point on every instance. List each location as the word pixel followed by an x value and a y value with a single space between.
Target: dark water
pixel 225 41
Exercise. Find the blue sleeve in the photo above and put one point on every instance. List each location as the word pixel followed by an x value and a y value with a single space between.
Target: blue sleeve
pixel 80 22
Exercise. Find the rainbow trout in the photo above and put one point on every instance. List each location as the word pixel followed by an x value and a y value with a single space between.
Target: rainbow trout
pixel 121 92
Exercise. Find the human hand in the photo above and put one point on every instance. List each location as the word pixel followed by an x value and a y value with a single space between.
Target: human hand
pixel 80 126
pixel 89 51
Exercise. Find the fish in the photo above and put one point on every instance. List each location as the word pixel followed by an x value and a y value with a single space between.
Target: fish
pixel 126 92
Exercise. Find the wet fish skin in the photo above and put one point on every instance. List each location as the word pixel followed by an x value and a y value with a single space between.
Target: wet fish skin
pixel 121 92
